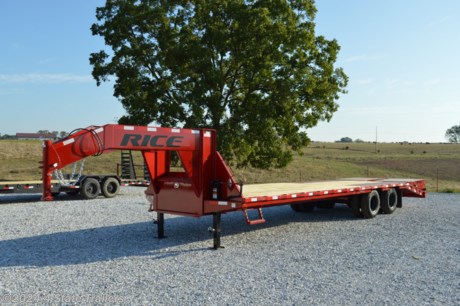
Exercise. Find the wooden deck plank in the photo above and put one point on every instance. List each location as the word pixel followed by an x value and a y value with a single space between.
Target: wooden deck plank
pixel 290 188
pixel 274 189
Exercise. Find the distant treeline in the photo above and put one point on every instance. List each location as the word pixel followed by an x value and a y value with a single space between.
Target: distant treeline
pixel 349 140
pixel 7 136
pixel 39 132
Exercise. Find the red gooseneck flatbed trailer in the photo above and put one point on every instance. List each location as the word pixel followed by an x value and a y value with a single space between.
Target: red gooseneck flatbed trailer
pixel 206 185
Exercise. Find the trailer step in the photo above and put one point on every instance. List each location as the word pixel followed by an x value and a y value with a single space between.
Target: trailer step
pixel 256 221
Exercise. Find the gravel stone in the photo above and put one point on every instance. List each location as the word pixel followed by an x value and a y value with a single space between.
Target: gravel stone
pixel 105 251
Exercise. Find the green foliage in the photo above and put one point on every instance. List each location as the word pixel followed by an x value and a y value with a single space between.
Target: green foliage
pixel 346 139
pixel 449 190
pixel 253 70
pixel 6 136
pixel 453 134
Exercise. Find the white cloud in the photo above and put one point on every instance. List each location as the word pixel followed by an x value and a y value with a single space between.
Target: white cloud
pixel 44 61
pixel 364 81
pixel 10 91
pixel 406 107
pixel 431 82
pixel 363 57
pixel 368 110
pixel 446 107
pixel 392 83
pixel 47 78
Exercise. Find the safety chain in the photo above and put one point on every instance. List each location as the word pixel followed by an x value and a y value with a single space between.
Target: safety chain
pixel 72 179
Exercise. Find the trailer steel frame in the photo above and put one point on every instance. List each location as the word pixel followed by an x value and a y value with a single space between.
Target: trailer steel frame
pixel 206 186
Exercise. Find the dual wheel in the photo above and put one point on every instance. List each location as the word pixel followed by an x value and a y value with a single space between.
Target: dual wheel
pixel 91 188
pixel 371 204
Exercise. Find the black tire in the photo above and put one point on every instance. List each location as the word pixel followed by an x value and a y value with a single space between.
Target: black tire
pixel 355 205
pixel 389 201
pixel 110 187
pixel 90 189
pixel 302 207
pixel 325 205
pixel 370 204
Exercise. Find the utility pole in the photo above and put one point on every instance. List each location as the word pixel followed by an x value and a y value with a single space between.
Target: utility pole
pixel 376 139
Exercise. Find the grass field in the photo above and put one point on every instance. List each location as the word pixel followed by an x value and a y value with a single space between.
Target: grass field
pixel 438 164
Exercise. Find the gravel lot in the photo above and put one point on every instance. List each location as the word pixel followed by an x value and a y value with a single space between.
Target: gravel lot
pixel 104 251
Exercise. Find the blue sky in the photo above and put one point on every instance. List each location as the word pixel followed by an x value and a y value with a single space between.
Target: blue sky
pixel 402 57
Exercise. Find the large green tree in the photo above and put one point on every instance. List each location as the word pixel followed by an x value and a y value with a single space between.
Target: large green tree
pixel 253 70
pixel 453 134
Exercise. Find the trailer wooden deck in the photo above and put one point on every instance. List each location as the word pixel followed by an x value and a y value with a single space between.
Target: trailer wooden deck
pixel 273 189
pixel 277 191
